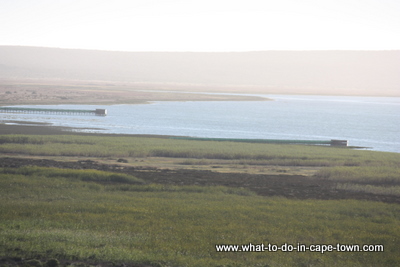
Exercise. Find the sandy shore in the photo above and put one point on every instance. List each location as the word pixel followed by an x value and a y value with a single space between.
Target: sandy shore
pixel 50 92
pixel 37 128
pixel 62 92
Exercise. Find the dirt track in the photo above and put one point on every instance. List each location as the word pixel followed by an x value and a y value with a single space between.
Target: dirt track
pixel 290 186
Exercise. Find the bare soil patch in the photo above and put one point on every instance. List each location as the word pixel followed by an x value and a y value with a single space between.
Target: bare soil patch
pixel 289 186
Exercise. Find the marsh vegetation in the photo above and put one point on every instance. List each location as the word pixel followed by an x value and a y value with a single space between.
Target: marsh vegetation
pixel 80 205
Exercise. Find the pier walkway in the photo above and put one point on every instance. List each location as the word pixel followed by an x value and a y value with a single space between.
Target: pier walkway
pixel 99 112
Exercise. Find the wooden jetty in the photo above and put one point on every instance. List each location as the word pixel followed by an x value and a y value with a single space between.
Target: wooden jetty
pixel 98 112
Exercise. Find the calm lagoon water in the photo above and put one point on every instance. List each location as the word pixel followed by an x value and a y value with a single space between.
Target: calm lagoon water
pixel 365 121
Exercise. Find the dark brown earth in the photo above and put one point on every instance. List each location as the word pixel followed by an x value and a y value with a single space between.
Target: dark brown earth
pixel 39 262
pixel 289 186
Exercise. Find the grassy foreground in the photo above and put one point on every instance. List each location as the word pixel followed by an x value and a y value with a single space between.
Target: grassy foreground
pixel 47 214
pixel 94 217
pixel 132 146
pixel 365 171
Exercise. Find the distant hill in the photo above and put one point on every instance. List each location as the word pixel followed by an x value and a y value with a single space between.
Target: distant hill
pixel 360 72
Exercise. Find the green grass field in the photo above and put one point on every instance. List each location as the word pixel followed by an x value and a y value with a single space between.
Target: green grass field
pixel 366 171
pixel 91 217
pixel 51 214
pixel 109 146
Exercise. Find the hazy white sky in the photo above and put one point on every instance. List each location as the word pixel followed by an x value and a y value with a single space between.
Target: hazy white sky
pixel 202 25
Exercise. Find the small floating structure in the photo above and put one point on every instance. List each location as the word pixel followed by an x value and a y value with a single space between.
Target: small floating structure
pixel 98 112
pixel 339 142
pixel 332 142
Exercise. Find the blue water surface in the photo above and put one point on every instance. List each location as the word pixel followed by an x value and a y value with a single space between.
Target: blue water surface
pixel 365 121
